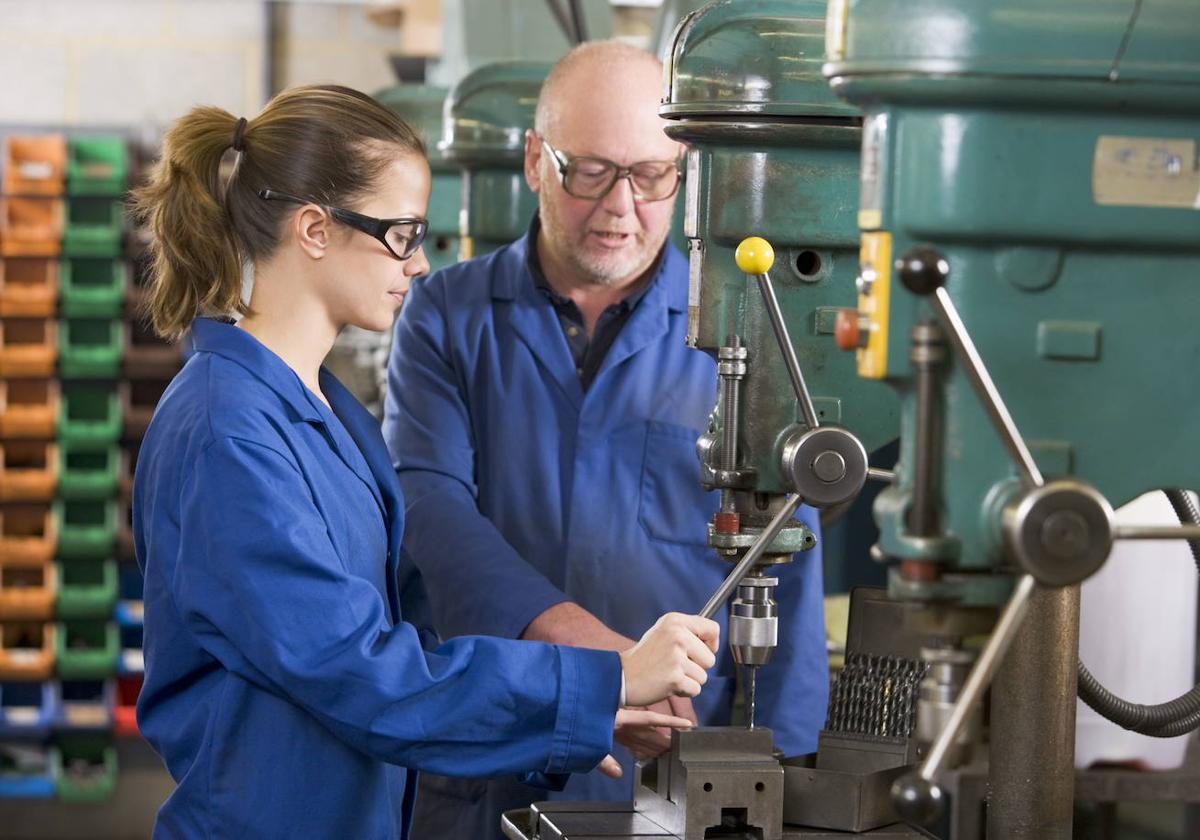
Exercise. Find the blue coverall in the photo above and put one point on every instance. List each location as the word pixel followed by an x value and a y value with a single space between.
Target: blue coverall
pixel 283 691
pixel 524 491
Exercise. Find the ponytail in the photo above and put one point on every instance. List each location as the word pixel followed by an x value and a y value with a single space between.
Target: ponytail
pixel 197 261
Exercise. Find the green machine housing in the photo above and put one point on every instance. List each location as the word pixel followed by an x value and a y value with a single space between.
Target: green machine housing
pixel 422 107
pixel 487 115
pixel 772 153
pixel 1049 153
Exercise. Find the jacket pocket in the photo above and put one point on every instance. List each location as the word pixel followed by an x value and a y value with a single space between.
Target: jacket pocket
pixel 674 507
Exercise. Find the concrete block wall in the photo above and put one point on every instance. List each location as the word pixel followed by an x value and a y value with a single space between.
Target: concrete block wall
pixel 145 62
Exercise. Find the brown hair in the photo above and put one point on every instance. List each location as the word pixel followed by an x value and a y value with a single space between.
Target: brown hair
pixel 326 143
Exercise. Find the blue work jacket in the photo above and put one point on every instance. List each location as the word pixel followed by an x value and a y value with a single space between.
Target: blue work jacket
pixel 283 691
pixel 525 491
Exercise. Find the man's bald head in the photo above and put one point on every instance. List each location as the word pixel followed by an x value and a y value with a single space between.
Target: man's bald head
pixel 596 68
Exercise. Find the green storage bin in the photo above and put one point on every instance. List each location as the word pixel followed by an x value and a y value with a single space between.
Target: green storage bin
pixel 93 288
pixel 90 347
pixel 86 649
pixel 97 166
pixel 86 588
pixel 86 471
pixel 89 414
pixel 85 769
pixel 94 227
pixel 86 528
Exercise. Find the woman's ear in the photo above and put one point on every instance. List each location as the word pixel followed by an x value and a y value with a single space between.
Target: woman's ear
pixel 311 226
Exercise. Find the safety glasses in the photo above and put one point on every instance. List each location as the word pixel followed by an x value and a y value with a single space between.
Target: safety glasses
pixel 402 237
pixel 592 177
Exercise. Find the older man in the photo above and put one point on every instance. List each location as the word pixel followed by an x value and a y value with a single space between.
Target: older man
pixel 542 411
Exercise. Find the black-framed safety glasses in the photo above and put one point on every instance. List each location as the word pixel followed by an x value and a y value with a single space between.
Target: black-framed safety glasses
pixel 592 177
pixel 402 237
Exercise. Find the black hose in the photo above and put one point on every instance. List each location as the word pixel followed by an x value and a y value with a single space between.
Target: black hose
pixel 1162 720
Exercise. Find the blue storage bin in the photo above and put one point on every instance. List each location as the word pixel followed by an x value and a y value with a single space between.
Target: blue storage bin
pixel 27 771
pixel 131 661
pixel 26 710
pixel 83 705
pixel 129 607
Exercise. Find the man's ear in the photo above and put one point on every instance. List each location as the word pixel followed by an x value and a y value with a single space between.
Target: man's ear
pixel 533 159
pixel 311 226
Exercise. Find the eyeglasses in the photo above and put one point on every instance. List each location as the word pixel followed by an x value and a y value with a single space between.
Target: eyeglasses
pixel 402 237
pixel 592 177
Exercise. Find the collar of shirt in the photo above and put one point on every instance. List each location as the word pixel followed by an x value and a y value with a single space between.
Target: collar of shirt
pixel 533 263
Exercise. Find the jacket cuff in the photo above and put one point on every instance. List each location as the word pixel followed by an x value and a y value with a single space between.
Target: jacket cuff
pixel 589 691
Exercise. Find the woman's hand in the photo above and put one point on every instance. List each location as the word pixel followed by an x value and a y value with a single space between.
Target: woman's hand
pixel 640 727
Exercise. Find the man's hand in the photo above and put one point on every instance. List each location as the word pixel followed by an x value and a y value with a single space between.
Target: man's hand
pixel 638 726
pixel 672 658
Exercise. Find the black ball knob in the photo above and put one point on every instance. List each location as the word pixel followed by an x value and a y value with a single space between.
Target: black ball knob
pixel 922 270
pixel 917 800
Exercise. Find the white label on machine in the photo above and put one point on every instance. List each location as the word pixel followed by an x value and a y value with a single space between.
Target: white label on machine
pixel 1146 172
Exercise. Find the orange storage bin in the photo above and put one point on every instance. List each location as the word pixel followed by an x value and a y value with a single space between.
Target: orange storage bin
pixel 146 355
pixel 29 287
pixel 28 408
pixel 26 650
pixel 125 712
pixel 35 165
pixel 28 347
pixel 28 470
pixel 27 594
pixel 28 536
pixel 31 227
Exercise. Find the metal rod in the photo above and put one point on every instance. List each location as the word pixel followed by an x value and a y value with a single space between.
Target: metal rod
pixel 791 505
pixel 1156 532
pixel 579 21
pixel 751 694
pixel 877 474
pixel 986 390
pixel 729 409
pixel 1031 770
pixel 926 355
pixel 981 674
pixel 789 352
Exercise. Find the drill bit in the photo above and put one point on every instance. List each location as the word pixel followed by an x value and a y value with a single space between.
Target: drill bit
pixel 751 675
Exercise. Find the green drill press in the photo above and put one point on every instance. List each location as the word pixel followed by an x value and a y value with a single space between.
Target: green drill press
pixel 771 152
pixel 422 107
pixel 1030 250
pixel 484 134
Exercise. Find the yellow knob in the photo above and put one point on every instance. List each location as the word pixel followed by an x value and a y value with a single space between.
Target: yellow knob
pixel 755 255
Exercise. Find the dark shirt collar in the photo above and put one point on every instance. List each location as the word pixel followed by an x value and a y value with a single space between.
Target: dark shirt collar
pixel 534 264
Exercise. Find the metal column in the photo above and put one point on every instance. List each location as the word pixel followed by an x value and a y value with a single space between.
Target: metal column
pixel 1032 780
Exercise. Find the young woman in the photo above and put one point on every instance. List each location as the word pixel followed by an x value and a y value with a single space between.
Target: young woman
pixel 283 690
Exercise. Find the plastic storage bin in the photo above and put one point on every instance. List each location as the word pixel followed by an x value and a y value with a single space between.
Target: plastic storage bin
pixel 31 227
pixel 85 771
pixel 90 348
pixel 89 414
pixel 139 398
pixel 93 288
pixel 26 651
pixel 83 706
pixel 28 347
pixel 26 710
pixel 29 287
pixel 28 535
pixel 27 771
pixel 27 592
pixel 125 549
pixel 132 661
pixel 146 355
pixel 86 588
pixel 86 649
pixel 28 408
pixel 88 472
pixel 34 164
pixel 97 166
pixel 94 227
pixel 86 527
pixel 125 712
pixel 28 471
